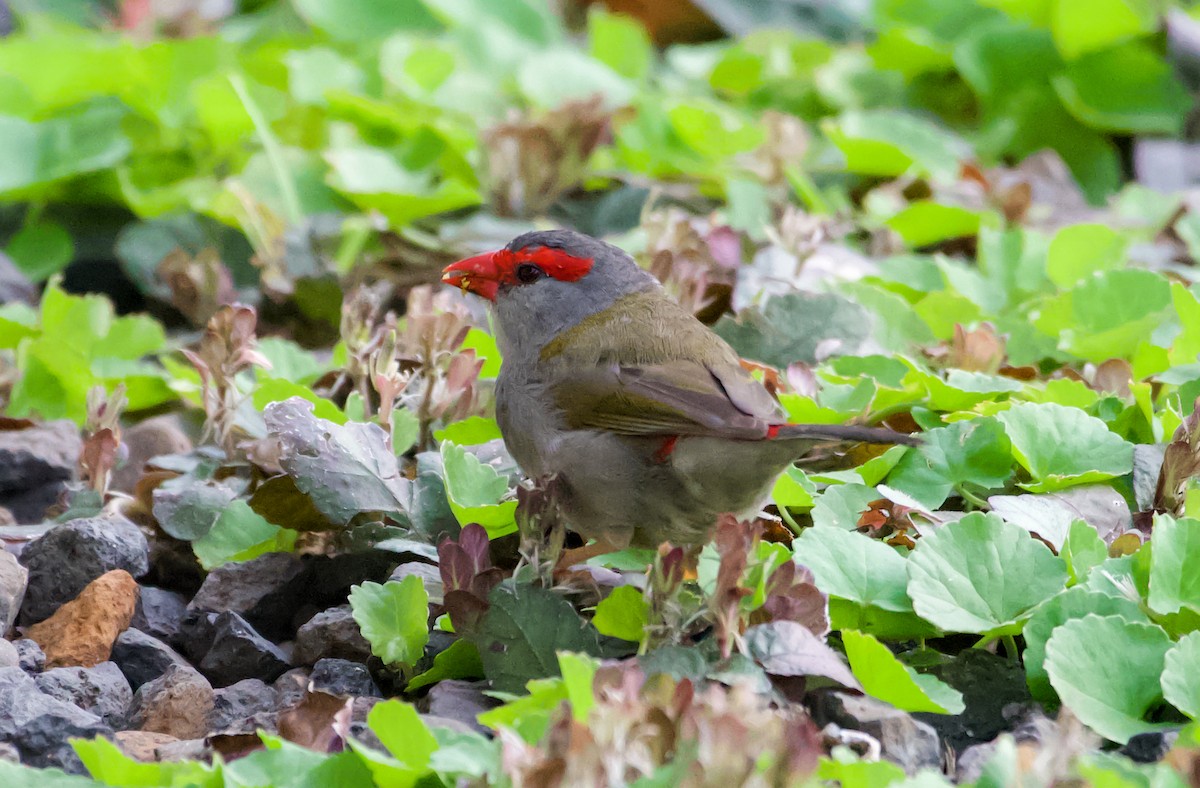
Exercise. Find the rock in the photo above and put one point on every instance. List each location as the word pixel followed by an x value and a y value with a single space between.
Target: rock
pixel 82 631
pixel 434 721
pixel 331 633
pixel 9 753
pixel 343 678
pixel 238 652
pixel 9 656
pixel 36 462
pixel 142 658
pixel 68 557
pixel 324 583
pixel 195 635
pixel 290 687
pixel 239 586
pixel 14 285
pixel 1149 747
pixel 176 703
pixel 159 612
pixel 145 441
pixel 250 703
pixel 39 726
pixel 992 687
pixel 13 579
pixel 431 578
pixel 186 750
pixel 461 701
pixel 904 740
pixel 102 690
pixel 142 745
pixel 30 655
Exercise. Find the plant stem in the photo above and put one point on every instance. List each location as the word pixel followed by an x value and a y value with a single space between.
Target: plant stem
pixel 972 498
pixel 271 146
pixel 1010 647
pixel 792 525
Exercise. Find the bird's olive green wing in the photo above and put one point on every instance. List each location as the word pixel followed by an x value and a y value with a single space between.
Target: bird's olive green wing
pixel 671 398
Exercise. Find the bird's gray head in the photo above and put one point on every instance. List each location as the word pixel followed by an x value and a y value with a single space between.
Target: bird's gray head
pixel 544 282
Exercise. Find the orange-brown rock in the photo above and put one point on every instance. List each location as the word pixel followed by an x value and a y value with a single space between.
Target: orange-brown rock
pixel 81 632
pixel 141 745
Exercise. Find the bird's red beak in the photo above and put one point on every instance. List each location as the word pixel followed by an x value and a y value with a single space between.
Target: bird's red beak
pixel 479 275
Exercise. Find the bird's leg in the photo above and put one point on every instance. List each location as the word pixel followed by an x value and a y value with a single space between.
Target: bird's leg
pixel 540 527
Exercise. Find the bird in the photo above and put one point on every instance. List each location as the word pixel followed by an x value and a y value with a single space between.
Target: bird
pixel 647 419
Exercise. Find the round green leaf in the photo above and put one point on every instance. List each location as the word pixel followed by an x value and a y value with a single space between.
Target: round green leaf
pixel 974 452
pixel 1106 670
pixel 41 249
pixel 1081 250
pixel 981 574
pixel 1174 581
pixel 890 680
pixel 622 614
pixel 1181 675
pixel 1062 447
pixel 394 618
pixel 1073 603
pixel 855 567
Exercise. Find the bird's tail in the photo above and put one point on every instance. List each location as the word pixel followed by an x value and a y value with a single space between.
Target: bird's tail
pixel 843 432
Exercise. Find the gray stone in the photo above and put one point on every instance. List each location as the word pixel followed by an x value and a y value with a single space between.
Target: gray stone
pixel 159 612
pixel 238 652
pixel 70 556
pixel 39 726
pixel 9 656
pixel 291 687
pixel 185 750
pixel 239 587
pixel 343 678
pixel 177 703
pixel 431 578
pixel 102 690
pixel 35 465
pixel 30 656
pixel 145 441
pixel 247 704
pixel 461 701
pixel 9 753
pixel 904 740
pixel 331 633
pixel 143 658
pixel 13 579
pixel 14 285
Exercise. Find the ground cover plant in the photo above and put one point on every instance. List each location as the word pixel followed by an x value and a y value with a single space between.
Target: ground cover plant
pixel 259 525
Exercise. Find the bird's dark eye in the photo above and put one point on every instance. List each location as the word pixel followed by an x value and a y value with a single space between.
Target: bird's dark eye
pixel 527 273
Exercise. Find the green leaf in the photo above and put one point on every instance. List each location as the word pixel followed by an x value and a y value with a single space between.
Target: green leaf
pixel 528 715
pixel 364 20
pixel 459 661
pixel 277 390
pixel 1082 26
pixel 578 672
pixel 841 505
pixel 1106 670
pixel 855 567
pixel 1128 89
pixel 374 179
pixel 1174 581
pixel 980 574
pixel 1080 250
pixel 975 452
pixel 1062 447
pixel 550 78
pixel 18 776
pixel 623 614
pixel 107 764
pixel 926 222
pixel 1071 604
pixel 285 764
pixel 847 770
pixel 621 43
pixel 890 680
pixel 41 249
pixel 890 143
pixel 84 139
pixel 1082 551
pixel 240 534
pixel 291 362
pixel 1180 678
pixel 793 490
pixel 484 345
pixel 469 432
pixel 394 618
pixel 401 729
pixel 522 630
pixel 475 489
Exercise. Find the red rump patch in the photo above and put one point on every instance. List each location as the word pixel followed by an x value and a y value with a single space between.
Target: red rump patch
pixel 773 430
pixel 554 262
pixel 665 449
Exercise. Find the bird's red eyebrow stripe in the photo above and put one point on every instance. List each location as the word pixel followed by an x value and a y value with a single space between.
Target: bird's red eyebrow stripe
pixel 555 262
